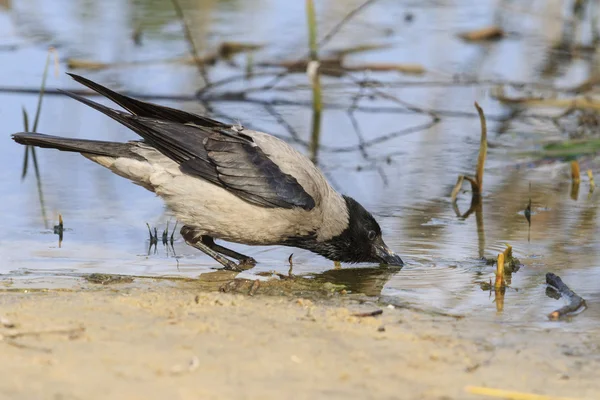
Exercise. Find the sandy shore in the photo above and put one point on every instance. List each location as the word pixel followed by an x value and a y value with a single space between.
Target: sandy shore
pixel 175 341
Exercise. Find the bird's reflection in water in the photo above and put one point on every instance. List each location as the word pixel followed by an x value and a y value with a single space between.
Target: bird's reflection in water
pixel 368 281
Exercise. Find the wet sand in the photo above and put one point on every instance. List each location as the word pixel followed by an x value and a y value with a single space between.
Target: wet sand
pixel 175 340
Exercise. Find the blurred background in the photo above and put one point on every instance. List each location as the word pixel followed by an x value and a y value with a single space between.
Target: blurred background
pixel 398 126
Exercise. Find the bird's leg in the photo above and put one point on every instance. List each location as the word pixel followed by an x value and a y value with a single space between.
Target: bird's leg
pixel 210 242
pixel 189 235
pixel 207 245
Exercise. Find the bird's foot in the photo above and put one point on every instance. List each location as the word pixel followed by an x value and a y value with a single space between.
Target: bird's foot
pixel 207 245
pixel 247 262
pixel 243 265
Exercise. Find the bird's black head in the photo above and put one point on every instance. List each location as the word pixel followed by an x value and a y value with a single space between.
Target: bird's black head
pixel 361 241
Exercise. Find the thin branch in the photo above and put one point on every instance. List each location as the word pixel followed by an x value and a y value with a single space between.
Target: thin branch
pixel 343 22
pixel 282 121
pixel 190 40
pixel 324 40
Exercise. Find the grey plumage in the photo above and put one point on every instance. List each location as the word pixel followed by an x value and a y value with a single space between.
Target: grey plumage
pixel 228 182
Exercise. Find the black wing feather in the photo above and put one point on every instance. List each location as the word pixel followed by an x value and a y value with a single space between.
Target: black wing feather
pixel 213 152
pixel 149 110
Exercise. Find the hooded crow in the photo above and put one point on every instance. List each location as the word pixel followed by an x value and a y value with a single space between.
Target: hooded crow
pixel 228 182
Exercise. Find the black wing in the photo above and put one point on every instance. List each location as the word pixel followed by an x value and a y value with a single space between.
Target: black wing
pixel 144 109
pixel 219 155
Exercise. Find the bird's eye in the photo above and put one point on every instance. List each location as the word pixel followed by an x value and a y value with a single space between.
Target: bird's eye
pixel 371 235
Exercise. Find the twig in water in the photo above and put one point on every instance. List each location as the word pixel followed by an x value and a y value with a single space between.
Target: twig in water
pixel 499 285
pixel 528 208
pixel 477 182
pixel 591 180
pixel 575 180
pixel 575 172
pixel 26 157
pixel 500 271
pixel 59 229
pixel 483 34
pixel 291 264
pixel 576 302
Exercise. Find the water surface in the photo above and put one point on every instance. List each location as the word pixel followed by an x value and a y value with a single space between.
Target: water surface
pixel 405 181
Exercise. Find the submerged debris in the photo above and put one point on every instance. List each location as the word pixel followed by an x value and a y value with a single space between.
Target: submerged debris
pixel 511 263
pixel 576 302
pixel 254 287
pixel 107 279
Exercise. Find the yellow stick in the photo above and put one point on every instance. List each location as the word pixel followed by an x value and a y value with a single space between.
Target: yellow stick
pixel 591 178
pixel 575 173
pixel 500 271
pixel 510 395
pixel 508 253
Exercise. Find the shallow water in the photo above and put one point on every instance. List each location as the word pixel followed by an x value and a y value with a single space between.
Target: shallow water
pixel 105 215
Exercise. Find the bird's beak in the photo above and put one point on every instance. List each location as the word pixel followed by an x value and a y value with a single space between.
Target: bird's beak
pixel 386 256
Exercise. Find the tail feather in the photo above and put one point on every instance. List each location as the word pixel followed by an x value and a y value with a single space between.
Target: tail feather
pixel 149 110
pixel 95 147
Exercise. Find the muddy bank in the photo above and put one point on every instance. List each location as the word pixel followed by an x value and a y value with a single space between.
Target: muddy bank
pixel 162 340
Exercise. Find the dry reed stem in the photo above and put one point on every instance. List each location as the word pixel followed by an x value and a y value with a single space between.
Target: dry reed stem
pixel 487 33
pixel 457 187
pixel 575 172
pixel 416 69
pixel 500 272
pixel 591 178
pixel 313 72
pixel 508 253
pixel 576 103
pixel 482 149
pixel 477 182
